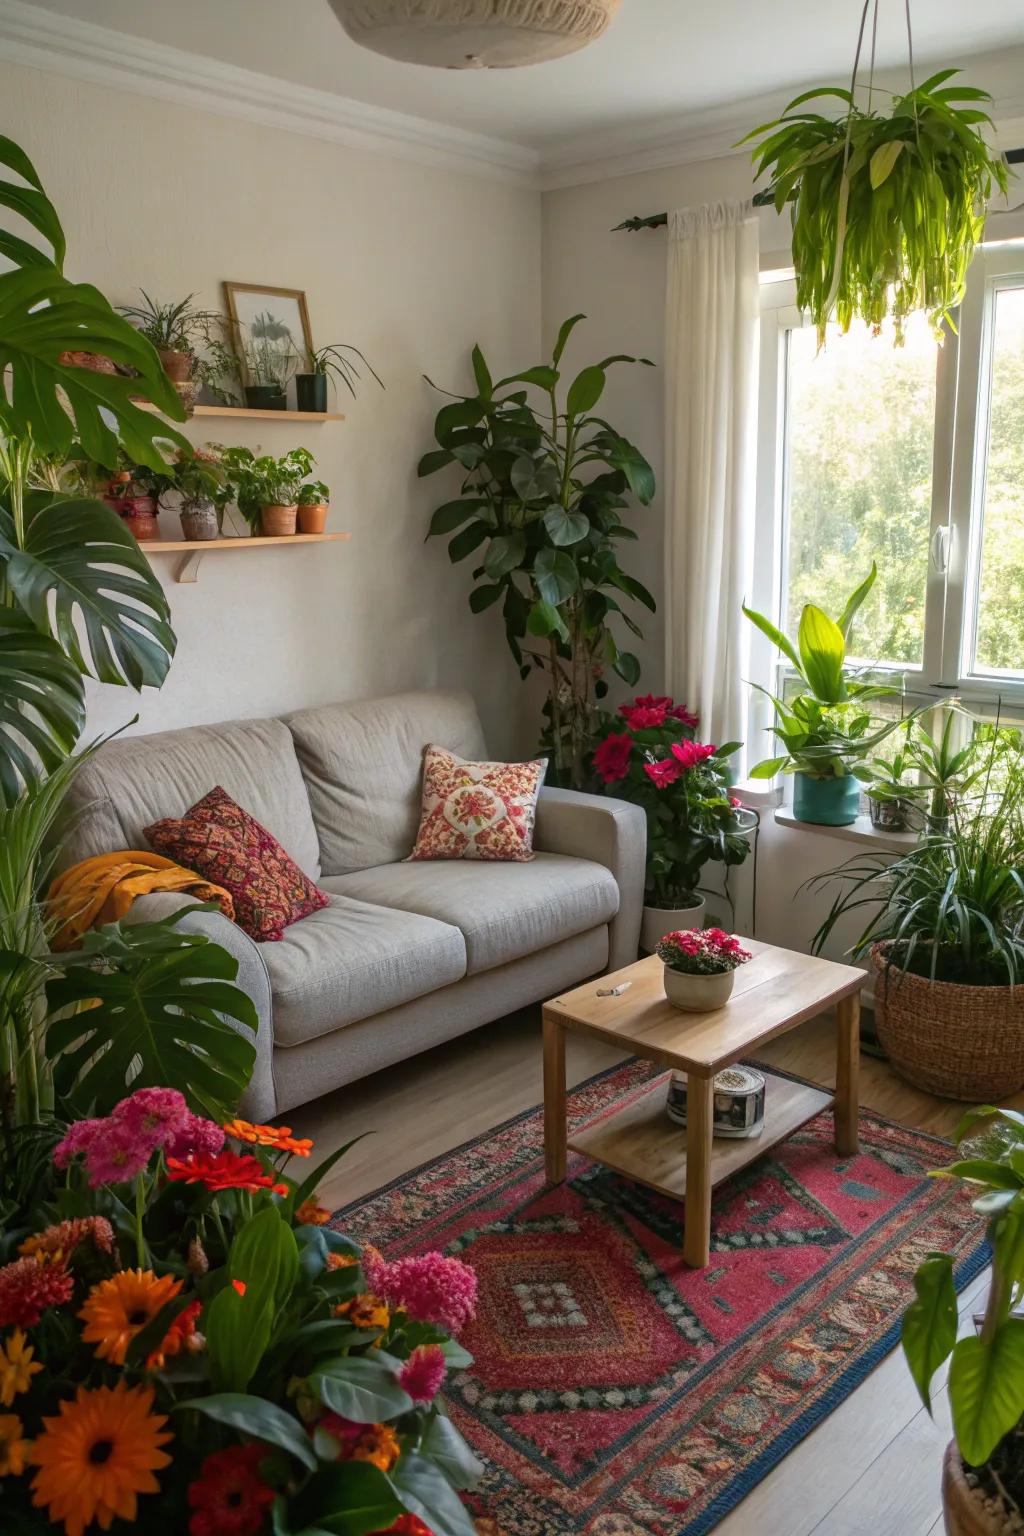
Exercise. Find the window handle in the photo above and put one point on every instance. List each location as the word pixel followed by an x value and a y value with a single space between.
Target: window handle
pixel 940 550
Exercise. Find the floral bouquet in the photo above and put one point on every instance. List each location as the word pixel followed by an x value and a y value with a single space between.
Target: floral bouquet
pixel 185 1344
pixel 702 952
pixel 650 757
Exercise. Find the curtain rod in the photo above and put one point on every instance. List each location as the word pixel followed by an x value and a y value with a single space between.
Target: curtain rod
pixel 763 199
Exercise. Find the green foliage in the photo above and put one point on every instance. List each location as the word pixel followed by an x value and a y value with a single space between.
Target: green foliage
pixel 886 209
pixel 173 327
pixel 333 362
pixel 313 493
pixel 541 507
pixel 264 1260
pixel 153 1006
pixel 986 1374
pixel 265 481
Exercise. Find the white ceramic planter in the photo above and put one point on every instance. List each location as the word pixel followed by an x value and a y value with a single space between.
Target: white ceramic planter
pixel 698 994
pixel 657 921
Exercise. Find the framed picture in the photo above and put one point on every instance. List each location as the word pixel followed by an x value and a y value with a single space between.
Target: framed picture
pixel 269 326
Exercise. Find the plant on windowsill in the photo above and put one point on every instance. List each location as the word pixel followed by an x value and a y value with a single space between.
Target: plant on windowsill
pixel 544 492
pixel 917 785
pixel 983 1473
pixel 314 504
pixel 826 730
pixel 648 756
pixel 324 364
pixel 945 934
pixel 700 967
pixel 267 489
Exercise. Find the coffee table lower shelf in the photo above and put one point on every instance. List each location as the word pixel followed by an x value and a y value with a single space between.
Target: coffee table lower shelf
pixel 641 1142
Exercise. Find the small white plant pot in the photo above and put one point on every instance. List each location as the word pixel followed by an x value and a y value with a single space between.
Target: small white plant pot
pixel 657 921
pixel 698 994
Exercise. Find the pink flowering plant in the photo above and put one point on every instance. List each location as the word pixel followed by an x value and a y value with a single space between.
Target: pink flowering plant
pixel 279 1378
pixel 650 756
pixel 702 952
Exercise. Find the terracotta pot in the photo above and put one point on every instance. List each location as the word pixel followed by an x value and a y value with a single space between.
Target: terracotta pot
pixel 276 521
pixel 698 994
pixel 964 1509
pixel 90 360
pixel 313 519
pixel 198 520
pixel 143 525
pixel 176 365
pixel 657 921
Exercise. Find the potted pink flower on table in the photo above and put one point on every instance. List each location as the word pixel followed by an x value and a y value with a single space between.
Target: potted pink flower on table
pixel 700 967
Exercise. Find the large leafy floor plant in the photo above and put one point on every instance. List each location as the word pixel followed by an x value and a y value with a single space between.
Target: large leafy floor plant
pixel 887 208
pixel 545 490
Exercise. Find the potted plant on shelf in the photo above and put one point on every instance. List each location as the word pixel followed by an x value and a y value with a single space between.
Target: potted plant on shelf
pixel 267 489
pixel 700 967
pixel 174 330
pixel 314 504
pixel 826 730
pixel 545 492
pixel 945 934
pixel 983 1472
pixel 130 490
pixel 324 364
pixel 201 482
pixel 648 755
pixel 267 361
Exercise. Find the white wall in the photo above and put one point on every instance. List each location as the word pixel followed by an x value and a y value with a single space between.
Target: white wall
pixel 413 265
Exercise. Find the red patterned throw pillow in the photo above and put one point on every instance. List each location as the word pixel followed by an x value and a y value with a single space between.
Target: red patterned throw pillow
pixel 477 810
pixel 226 845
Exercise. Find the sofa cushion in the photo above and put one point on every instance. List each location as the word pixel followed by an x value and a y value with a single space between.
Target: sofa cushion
pixel 503 910
pixel 477 810
pixel 363 767
pixel 137 780
pixel 351 960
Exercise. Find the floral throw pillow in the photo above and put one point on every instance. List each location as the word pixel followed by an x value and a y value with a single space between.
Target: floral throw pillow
pixel 227 846
pixel 477 810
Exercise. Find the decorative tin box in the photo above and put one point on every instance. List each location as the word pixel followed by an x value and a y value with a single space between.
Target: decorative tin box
pixel 738 1101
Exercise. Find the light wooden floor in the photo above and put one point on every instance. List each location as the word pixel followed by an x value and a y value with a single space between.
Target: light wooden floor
pixel 873 1465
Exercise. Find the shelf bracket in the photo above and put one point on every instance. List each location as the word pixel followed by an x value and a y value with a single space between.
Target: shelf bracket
pixel 188 570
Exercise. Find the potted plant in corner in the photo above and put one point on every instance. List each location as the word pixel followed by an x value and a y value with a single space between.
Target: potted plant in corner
pixel 267 489
pixel 648 755
pixel 983 1471
pixel 324 364
pixel 314 503
pixel 700 968
pixel 826 730
pixel 946 939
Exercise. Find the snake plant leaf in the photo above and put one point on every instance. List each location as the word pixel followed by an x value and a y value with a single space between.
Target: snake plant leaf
pixel 157 1019
pixel 78 562
pixel 822 653
pixel 42 704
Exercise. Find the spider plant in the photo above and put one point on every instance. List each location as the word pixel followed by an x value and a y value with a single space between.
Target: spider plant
pixel 171 327
pixel 332 362
pixel 886 207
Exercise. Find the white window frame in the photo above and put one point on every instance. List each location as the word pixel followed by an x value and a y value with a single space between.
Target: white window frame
pixel 963 382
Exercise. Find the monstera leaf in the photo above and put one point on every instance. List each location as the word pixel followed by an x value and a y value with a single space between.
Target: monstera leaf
pixel 78 562
pixel 42 704
pixel 153 1008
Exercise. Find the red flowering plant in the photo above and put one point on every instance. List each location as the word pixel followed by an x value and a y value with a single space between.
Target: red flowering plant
pixel 650 756
pixel 185 1343
pixel 703 952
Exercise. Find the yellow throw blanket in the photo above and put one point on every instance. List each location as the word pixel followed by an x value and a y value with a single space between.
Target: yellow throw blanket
pixel 101 889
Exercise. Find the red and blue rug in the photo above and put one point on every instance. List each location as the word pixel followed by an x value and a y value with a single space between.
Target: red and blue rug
pixel 617 1393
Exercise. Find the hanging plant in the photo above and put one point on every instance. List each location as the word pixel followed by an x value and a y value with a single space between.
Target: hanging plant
pixel 886 209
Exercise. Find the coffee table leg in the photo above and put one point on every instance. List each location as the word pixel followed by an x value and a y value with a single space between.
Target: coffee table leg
pixel 697 1214
pixel 554 1100
pixel 847 1075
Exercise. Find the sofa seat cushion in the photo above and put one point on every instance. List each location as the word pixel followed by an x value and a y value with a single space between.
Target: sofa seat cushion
pixel 504 911
pixel 351 960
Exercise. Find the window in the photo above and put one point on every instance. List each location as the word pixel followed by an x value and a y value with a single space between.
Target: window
pixel 911 456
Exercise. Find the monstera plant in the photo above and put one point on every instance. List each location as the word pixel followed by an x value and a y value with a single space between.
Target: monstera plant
pixel 78 599
pixel 545 489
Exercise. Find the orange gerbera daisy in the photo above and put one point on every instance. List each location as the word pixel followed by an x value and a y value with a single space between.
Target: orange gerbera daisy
pixel 365 1311
pixel 278 1137
pixel 310 1214
pixel 97 1456
pixel 17 1367
pixel 14 1448
pixel 117 1309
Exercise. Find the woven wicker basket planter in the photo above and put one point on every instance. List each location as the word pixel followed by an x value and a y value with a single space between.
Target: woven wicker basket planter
pixel 960 1042
pixel 964 1510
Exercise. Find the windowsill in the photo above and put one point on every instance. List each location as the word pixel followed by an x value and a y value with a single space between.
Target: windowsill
pixel 861 831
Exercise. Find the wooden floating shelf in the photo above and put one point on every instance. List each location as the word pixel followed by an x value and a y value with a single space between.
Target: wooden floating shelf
pixel 195 549
pixel 245 413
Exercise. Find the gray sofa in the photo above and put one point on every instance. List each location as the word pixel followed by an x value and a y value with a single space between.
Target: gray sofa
pixel 406 955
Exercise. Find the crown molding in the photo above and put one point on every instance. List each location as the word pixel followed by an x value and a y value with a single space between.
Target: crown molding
pixel 64 45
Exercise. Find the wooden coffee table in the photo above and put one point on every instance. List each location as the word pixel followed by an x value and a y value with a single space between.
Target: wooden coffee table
pixel 777 990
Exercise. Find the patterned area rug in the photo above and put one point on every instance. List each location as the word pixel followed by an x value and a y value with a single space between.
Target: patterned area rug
pixel 616 1393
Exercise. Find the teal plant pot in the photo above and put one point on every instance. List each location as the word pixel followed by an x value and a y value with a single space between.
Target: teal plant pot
pixel 826 802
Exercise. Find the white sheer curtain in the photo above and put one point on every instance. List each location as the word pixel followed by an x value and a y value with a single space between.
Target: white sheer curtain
pixel 712 318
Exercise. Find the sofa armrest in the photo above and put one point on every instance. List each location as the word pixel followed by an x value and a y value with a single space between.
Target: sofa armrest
pixel 612 833
pixel 259 1102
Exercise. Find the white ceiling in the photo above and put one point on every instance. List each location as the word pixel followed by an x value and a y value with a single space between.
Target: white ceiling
pixel 661 61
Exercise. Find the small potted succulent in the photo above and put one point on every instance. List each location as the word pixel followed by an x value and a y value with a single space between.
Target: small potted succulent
pixel 700 967
pixel 314 504
pixel 324 364
pixel 174 330
pixel 267 489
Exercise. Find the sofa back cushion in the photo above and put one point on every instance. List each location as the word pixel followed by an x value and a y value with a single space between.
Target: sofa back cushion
pixel 363 766
pixel 141 779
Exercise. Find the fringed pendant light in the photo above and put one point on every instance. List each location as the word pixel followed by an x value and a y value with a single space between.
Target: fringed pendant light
pixel 474 34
